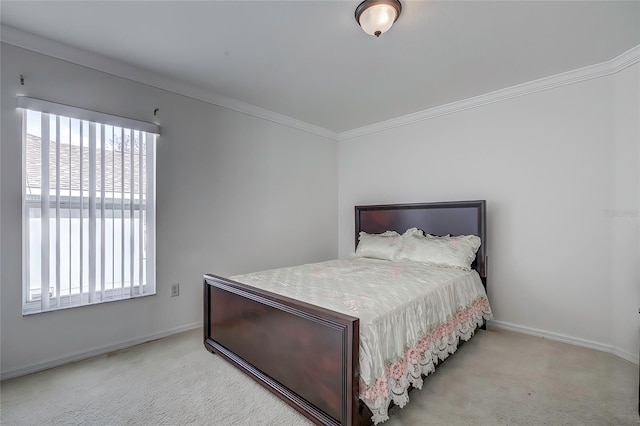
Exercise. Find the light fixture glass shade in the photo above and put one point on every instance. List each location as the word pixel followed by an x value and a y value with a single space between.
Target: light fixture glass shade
pixel 377 16
pixel 377 19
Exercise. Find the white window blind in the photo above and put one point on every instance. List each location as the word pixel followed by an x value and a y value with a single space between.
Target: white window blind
pixel 88 207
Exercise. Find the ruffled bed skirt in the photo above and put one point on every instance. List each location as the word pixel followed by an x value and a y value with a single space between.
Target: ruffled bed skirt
pixel 422 359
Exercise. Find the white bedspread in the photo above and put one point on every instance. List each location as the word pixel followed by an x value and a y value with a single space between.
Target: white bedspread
pixel 410 314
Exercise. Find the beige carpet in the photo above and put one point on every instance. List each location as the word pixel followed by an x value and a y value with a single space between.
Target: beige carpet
pixel 498 378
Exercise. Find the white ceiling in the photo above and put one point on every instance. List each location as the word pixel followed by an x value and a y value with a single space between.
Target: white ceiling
pixel 310 61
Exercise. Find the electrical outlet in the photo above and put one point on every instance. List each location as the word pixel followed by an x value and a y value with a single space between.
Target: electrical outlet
pixel 175 290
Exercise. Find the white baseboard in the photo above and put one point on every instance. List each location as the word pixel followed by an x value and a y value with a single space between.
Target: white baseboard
pixel 95 352
pixel 123 345
pixel 565 339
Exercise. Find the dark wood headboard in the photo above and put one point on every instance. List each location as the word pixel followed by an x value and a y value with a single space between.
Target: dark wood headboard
pixel 451 217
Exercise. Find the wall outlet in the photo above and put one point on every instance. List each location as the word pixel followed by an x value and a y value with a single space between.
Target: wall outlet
pixel 175 290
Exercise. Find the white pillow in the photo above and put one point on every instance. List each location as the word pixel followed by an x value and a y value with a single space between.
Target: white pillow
pixel 383 246
pixel 453 252
pixel 384 234
pixel 416 231
pixel 413 231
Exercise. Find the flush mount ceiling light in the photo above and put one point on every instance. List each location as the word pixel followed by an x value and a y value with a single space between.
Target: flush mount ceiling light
pixel 377 16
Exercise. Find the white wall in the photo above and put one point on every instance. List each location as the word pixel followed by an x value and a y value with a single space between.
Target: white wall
pixel 551 165
pixel 235 194
pixel 625 220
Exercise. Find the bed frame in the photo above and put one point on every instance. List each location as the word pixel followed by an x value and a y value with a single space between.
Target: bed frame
pixel 306 355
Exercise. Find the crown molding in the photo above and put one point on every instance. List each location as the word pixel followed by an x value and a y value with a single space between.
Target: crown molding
pixel 111 66
pixel 602 69
pixel 101 63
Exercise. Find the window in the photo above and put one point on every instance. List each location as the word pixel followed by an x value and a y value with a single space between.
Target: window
pixel 88 207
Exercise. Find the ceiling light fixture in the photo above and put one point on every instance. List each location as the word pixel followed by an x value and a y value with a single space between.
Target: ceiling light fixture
pixel 377 16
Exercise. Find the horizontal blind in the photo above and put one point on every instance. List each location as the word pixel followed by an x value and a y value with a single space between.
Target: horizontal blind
pixel 89 208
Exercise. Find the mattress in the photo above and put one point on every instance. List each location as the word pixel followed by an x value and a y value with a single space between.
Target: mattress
pixel 412 315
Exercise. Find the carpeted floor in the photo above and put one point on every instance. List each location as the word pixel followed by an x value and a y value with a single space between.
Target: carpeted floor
pixel 498 378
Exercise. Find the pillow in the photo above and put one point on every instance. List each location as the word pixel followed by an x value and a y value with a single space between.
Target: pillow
pixel 416 231
pixel 453 252
pixel 383 246
pixel 413 231
pixel 384 234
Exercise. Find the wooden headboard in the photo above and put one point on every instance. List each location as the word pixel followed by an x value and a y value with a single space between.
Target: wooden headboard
pixel 451 217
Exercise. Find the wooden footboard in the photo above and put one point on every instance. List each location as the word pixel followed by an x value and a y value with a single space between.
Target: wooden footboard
pixel 306 355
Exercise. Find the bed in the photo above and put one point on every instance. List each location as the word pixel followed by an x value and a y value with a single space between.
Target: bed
pixel 314 356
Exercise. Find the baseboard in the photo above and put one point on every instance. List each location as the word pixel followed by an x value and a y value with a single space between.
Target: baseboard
pixel 633 358
pixel 123 345
pixel 95 352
